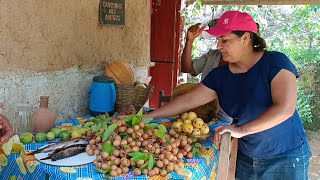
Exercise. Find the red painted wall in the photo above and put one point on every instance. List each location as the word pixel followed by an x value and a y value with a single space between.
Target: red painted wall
pixel 165 43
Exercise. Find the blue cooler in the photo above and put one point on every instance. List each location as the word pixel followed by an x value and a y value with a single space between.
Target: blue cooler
pixel 102 96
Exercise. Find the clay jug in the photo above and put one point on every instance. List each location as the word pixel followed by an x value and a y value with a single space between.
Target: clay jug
pixel 44 118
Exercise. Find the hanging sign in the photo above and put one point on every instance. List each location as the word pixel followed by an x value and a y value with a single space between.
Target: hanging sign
pixel 112 12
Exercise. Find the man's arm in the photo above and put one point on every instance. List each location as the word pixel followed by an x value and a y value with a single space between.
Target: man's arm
pixel 186 59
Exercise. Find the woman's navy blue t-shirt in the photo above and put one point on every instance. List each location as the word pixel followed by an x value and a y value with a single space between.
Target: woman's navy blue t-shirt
pixel 245 96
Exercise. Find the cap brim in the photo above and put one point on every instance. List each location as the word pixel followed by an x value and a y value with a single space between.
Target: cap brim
pixel 215 32
pixel 206 35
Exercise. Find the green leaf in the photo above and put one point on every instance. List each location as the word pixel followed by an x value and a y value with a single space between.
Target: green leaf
pixel 96 127
pixel 197 145
pixel 136 120
pixel 147 128
pixel 140 157
pixel 124 135
pixel 140 112
pixel 135 153
pixel 108 148
pixel 107 133
pixel 129 119
pixel 104 124
pixel 151 162
pixel 153 125
pixel 195 151
pixel 99 134
pixel 143 166
pixel 162 128
pixel 108 119
pixel 88 124
pixel 147 120
pixel 160 134
pixel 101 170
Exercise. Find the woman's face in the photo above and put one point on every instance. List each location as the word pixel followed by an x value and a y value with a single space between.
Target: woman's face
pixel 231 46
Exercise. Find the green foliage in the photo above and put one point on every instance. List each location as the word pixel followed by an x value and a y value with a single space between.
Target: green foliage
pixel 304 104
pixel 161 132
pixel 299 40
pixel 109 131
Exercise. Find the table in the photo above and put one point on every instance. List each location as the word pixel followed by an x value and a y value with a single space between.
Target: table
pixel 197 168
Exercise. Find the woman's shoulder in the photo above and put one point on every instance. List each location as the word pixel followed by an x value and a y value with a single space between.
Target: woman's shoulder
pixel 276 58
pixel 277 61
pixel 276 54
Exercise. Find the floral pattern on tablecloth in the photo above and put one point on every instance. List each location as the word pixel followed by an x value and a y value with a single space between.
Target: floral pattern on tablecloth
pixel 197 168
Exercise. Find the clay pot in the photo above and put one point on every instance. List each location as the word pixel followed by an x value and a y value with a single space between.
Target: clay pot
pixel 44 118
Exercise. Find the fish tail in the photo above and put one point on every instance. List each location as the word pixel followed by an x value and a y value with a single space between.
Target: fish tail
pixel 45 158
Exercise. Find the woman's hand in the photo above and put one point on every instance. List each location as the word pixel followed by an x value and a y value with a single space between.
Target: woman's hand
pixel 6 130
pixel 194 31
pixel 234 130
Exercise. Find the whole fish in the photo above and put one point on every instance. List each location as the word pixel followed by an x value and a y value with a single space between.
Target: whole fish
pixel 66 152
pixel 60 144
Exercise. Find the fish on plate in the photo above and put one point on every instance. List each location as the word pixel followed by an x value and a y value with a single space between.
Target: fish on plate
pixel 55 146
pixel 66 152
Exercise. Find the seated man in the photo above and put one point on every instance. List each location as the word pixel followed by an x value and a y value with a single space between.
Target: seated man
pixel 205 63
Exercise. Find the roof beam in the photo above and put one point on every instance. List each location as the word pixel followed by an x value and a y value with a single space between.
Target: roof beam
pixel 256 2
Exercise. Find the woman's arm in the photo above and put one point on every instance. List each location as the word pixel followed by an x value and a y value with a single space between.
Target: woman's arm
pixel 198 96
pixel 6 130
pixel 284 97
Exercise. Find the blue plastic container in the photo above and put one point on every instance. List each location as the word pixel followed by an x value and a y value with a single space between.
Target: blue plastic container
pixel 102 96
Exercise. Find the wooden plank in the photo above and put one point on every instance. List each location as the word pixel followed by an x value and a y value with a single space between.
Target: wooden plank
pixel 224 160
pixel 256 2
pixel 233 159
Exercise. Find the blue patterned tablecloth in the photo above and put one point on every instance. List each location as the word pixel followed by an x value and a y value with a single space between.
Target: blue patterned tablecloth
pixel 197 168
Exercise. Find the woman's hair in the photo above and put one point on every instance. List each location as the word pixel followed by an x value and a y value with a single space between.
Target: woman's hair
pixel 258 43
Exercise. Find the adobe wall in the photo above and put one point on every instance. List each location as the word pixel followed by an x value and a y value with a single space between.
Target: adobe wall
pixel 55 48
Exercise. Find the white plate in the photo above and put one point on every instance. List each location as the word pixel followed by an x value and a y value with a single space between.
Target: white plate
pixel 77 160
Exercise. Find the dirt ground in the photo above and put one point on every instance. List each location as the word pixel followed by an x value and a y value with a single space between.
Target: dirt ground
pixel 314 169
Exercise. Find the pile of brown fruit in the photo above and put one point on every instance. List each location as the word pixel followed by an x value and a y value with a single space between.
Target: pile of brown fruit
pixel 136 144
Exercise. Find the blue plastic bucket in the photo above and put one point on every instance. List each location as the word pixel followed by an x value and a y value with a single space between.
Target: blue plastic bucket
pixel 102 96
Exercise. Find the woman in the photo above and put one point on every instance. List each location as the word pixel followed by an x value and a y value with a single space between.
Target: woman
pixel 258 88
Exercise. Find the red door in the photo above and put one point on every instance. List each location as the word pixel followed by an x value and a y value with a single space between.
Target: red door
pixel 165 43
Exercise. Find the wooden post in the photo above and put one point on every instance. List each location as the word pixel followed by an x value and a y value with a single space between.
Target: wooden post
pixel 224 161
pixel 233 159
pixel 227 157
